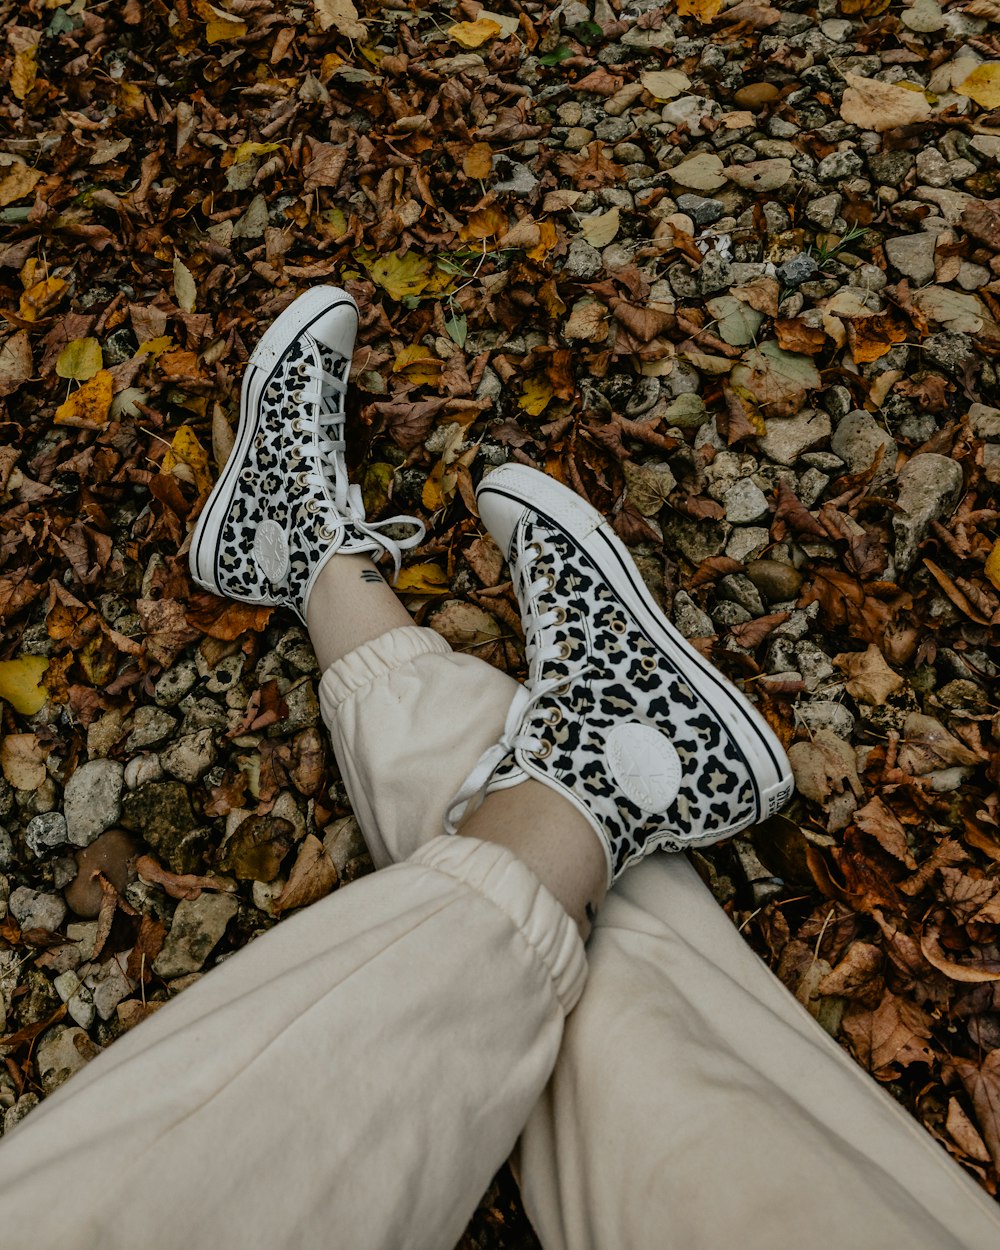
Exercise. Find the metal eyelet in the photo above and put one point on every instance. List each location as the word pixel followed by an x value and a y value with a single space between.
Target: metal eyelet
pixel 553 718
pixel 648 663
pixel 297 425
pixel 564 651
pixel 617 626
pixel 544 751
pixel 561 690
pixel 248 476
pixel 327 534
pixel 312 507
pixel 550 582
pixel 260 442
pixel 560 617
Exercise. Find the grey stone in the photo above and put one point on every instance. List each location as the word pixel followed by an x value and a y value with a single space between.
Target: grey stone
pixel 696 540
pixel 745 503
pixel 838 166
pixel 929 487
pixel 160 812
pixel 812 484
pixel 15 1114
pixel 984 422
pixel 583 261
pixel 814 665
pixel 797 270
pixel 738 588
pixel 944 780
pixel 701 210
pixel 142 769
pixel 45 832
pixel 303 710
pixel 714 274
pixel 788 437
pixel 823 714
pixel 6 849
pixel 189 757
pixel 766 175
pixel 197 928
pixel 690 111
pixel 33 909
pixel 823 212
pixel 727 613
pixel 62 1050
pixel 150 726
pixel 512 176
pixel 690 620
pixel 92 799
pixel 747 541
pixel 857 440
pixel 932 168
pixel 951 352
pixel 913 256
pixel 110 987
pixel 890 168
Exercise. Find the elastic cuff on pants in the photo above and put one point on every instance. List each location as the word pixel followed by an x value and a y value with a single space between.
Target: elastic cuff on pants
pixel 374 659
pixel 507 882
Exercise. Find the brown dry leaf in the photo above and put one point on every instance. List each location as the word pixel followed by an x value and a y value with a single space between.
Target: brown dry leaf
pixel 313 876
pixel 478 161
pixel 19 180
pixel 963 1133
pixel 982 1083
pixel 179 885
pixel 928 746
pixel 826 771
pixel 166 628
pixel 148 944
pixel 871 338
pixel 645 322
pixel 256 848
pixel 858 975
pixel 975 973
pixel 16 364
pixel 955 594
pixel 878 822
pixel 467 628
pixel 22 758
pixel 752 633
pixel 794 335
pixel 875 105
pixel 981 219
pixel 761 294
pixel 869 677
pixel 341 15
pixel 777 379
pixel 474 34
pixel 889 1038
pixel 24 72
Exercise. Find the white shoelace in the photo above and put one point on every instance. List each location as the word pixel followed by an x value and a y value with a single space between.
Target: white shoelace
pixel 349 508
pixel 526 698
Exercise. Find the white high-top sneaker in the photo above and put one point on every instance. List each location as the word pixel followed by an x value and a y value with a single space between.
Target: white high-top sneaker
pixel 619 714
pixel 283 505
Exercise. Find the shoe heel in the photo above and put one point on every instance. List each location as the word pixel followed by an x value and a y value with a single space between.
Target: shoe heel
pixel 774 799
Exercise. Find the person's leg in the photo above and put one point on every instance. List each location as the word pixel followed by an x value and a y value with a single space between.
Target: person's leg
pixel 352 1078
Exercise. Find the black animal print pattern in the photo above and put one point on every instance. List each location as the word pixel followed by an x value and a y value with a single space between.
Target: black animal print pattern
pixel 625 677
pixel 283 480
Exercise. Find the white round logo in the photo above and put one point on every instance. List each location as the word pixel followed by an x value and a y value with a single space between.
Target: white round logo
pixel 270 549
pixel 645 765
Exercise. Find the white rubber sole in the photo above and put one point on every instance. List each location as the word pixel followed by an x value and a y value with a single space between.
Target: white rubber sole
pixel 296 318
pixel 763 753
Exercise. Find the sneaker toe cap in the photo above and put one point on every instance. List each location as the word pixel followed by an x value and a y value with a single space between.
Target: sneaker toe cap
pixel 338 328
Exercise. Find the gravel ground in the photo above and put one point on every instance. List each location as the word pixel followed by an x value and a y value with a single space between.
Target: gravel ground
pixel 732 274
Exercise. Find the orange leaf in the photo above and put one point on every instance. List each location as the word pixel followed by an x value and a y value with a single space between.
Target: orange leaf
pixel 87 408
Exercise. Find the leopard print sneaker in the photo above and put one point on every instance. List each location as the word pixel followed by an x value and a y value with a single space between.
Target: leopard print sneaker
pixel 283 505
pixel 619 714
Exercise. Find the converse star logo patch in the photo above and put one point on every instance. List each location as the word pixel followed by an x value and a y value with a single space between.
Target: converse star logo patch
pixel 645 765
pixel 270 550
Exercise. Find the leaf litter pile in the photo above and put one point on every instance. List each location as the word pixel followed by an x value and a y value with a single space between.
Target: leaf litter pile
pixel 731 272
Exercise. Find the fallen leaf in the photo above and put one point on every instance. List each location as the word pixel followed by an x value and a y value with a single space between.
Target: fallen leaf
pixel 399 275
pixel 794 335
pixel 961 1129
pixel 858 975
pixel 702 172
pixel 220 30
pixel 21 683
pixel 40 299
pixel 871 338
pixel 313 876
pixel 665 84
pixel 826 771
pixel 256 848
pixel 466 627
pixel 983 85
pixel 878 822
pixel 777 379
pixel 876 105
pixel 80 360
pixel 19 181
pixel 423 579
pixel 889 1038
pixel 761 294
pixel 186 450
pixel 536 391
pixel 978 973
pixel 24 72
pixel 474 34
pixel 179 885
pixel 602 228
pixel 992 566
pixel 704 11
pixel 184 286
pixel 22 758
pixel 87 407
pixel 16 365
pixel 341 15
pixel 927 746
pixel 869 677
pixel 477 162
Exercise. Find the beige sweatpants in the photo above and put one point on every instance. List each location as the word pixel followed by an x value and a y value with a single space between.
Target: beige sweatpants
pixel 353 1078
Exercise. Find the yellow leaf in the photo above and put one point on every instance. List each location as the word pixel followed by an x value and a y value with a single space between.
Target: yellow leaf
pixel 484 223
pixel 247 150
pixel 220 29
pixel 18 182
pixel 423 579
pixel 546 242
pixel 983 85
pixel 185 449
pixel 664 84
pixel 41 298
pixel 131 99
pixel 600 230
pixel 20 683
pixel 993 565
pixel 153 347
pixel 24 73
pixel 478 161
pixel 473 34
pixel 420 363
pixel 87 408
pixel 399 276
pixel 341 15
pixel 332 222
pixel 703 11
pixel 80 360
pixel 535 395
pixel 439 488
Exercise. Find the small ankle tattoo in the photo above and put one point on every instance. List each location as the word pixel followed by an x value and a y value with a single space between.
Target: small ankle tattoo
pixel 369 575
